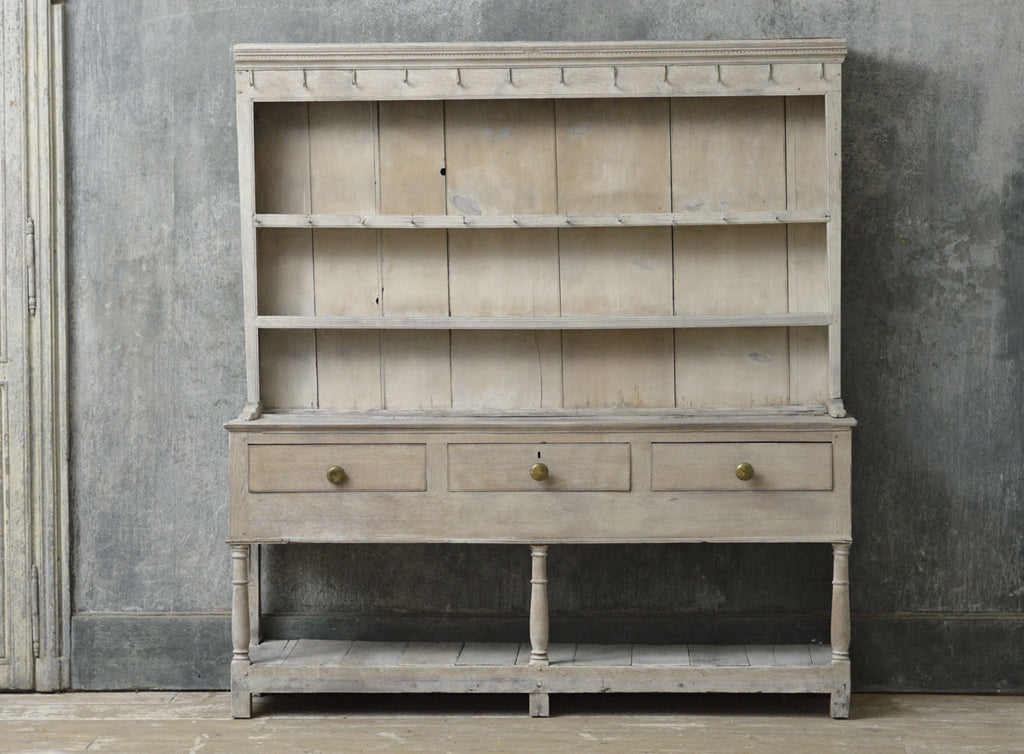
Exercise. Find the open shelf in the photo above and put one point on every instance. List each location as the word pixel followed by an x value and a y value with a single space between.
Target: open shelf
pixel 597 322
pixel 625 219
pixel 467 667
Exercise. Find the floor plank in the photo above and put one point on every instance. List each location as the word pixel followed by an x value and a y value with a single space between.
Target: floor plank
pixel 199 721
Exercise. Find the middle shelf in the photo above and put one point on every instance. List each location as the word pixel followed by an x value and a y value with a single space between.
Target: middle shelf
pixel 564 220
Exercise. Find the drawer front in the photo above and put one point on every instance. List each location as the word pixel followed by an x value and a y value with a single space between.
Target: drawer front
pixel 713 466
pixel 506 467
pixel 303 468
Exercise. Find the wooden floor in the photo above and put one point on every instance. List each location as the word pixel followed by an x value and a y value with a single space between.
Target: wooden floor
pixel 199 722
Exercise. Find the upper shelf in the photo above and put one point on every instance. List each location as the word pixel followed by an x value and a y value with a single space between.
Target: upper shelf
pixel 567 322
pixel 538 221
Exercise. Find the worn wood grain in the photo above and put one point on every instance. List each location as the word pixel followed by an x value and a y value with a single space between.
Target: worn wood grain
pixel 576 263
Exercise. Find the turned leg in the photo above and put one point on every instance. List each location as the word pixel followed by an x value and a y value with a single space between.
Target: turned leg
pixel 840 701
pixel 539 606
pixel 539 704
pixel 241 699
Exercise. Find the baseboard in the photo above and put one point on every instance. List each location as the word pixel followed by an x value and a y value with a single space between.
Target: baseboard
pixel 960 653
pixel 145 651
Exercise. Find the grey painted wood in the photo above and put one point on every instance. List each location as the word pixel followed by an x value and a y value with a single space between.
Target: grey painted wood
pixel 444 654
pixel 603 654
pixel 372 653
pixel 16 621
pixel 34 563
pixel 718 655
pixel 475 653
pixel 660 654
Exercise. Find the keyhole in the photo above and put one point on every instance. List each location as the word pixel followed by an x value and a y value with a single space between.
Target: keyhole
pixel 538 454
pixel 444 171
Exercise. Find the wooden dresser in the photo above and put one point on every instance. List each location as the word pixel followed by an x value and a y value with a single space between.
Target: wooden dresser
pixel 540 294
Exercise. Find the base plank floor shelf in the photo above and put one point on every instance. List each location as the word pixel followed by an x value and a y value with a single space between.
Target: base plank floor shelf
pixel 539 295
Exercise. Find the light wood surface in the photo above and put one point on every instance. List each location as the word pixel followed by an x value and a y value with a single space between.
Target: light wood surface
pixel 500 157
pixel 540 294
pixel 612 155
pixel 461 221
pixel 303 468
pixel 712 466
pixel 501 467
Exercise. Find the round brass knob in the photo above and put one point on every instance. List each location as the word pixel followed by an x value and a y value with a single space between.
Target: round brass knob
pixel 539 471
pixel 336 475
pixel 745 472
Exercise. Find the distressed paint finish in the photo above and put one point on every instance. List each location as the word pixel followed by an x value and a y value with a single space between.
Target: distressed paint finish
pixel 34 596
pixel 933 339
pixel 15 619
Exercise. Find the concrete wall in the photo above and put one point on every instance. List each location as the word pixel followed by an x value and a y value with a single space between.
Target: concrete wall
pixel 933 342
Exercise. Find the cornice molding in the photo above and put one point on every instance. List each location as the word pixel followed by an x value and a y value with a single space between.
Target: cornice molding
pixel 536 54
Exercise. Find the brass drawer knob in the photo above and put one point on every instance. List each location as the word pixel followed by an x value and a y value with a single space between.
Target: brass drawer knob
pixel 745 472
pixel 336 475
pixel 539 471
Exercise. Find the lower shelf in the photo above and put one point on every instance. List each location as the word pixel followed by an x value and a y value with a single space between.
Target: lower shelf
pixel 388 667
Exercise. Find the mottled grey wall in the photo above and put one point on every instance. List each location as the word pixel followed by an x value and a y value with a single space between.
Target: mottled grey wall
pixel 933 343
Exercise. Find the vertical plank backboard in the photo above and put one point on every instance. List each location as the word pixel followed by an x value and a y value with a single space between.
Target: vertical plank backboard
pixel 807 190
pixel 613 155
pixel 345 264
pixel 806 187
pixel 732 367
pixel 342 157
pixel 288 369
pixel 625 271
pixel 281 154
pixel 728 153
pixel 348 369
pixel 284 271
pixel 834 170
pixel 414 272
pixel 503 272
pixel 730 269
pixel 808 355
pixel 506 369
pixel 417 369
pixel 343 168
pixel 618 369
pixel 808 268
pixel 414 262
pixel 500 157
pixel 416 365
pixel 412 181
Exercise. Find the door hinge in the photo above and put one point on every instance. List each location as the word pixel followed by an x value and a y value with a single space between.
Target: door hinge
pixel 34 602
pixel 30 248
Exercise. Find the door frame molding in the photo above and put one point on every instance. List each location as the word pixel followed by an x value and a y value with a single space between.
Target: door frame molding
pixel 35 58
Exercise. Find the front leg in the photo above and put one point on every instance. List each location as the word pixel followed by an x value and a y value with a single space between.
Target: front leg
pixel 241 698
pixel 840 700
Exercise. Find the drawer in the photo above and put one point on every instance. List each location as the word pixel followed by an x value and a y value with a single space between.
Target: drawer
pixel 713 465
pixel 303 468
pixel 506 467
